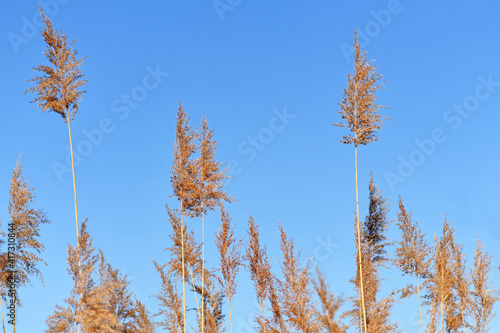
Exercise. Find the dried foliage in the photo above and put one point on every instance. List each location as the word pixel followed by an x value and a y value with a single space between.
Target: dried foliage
pixel 229 259
pixel 441 294
pixel 276 324
pixel 412 254
pixel 258 265
pixel 191 252
pixel 295 294
pixel 378 310
pixel 88 308
pixel 183 170
pixel 121 301
pixel 483 299
pixel 23 234
pixel 170 302
pixel 213 298
pixel 58 86
pixel 210 174
pixel 330 304
pixel 101 301
pixel 376 223
pixel 358 108
pixel 462 283
pixel 142 322
pixel 361 114
pixel 183 178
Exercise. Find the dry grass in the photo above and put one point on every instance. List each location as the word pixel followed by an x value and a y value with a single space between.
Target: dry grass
pixel 230 259
pixel 295 293
pixel 58 88
pixel 412 254
pixel 330 305
pixel 361 114
pixel 101 301
pixel 210 175
pixel 482 297
pixel 259 267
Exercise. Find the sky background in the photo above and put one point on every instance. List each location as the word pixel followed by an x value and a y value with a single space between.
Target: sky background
pixel 241 64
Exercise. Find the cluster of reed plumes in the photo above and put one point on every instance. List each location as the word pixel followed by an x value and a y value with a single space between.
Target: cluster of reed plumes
pixel 194 297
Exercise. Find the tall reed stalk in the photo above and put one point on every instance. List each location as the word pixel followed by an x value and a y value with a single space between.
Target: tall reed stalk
pixel 210 177
pixel 183 173
pixel 23 256
pixel 412 253
pixel 361 114
pixel 229 259
pixel 58 86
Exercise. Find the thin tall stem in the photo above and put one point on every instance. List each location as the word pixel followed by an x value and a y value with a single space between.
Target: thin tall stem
pixel 230 318
pixel 202 268
pixel 359 240
pixel 73 169
pixel 3 324
pixel 442 301
pixel 442 318
pixel 463 321
pixel 183 271
pixel 74 191
pixel 419 306
pixel 263 319
pixel 360 313
pixel 195 296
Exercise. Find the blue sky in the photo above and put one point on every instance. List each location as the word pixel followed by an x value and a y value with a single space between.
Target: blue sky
pixel 268 77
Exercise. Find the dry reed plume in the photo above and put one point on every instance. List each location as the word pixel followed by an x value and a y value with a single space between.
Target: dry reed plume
pixel 230 259
pixel 483 299
pixel 378 310
pixel 210 175
pixel 377 223
pixel 170 302
pixel 330 304
pixel 295 294
pixel 361 113
pixel 58 88
pixel 24 229
pixel 86 309
pixel 100 300
pixel 183 178
pixel 412 254
pixel 441 293
pixel 259 267
pixel 212 319
pixel 462 282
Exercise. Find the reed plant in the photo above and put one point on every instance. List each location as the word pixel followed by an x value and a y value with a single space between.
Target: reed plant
pixel 483 296
pixel 362 117
pixel 209 193
pixel 230 259
pixel 183 178
pixel 58 87
pixel 259 267
pixel 22 260
pixel 412 254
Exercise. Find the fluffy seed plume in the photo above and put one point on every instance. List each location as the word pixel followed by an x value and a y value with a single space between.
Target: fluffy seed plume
pixel 19 264
pixel 58 86
pixel 258 265
pixel 229 259
pixel 294 291
pixel 359 108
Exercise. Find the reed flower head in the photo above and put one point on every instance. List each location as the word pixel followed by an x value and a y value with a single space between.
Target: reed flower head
pixel 358 107
pixel 58 86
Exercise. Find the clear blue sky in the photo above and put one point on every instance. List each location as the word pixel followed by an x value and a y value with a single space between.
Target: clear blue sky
pixel 241 65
